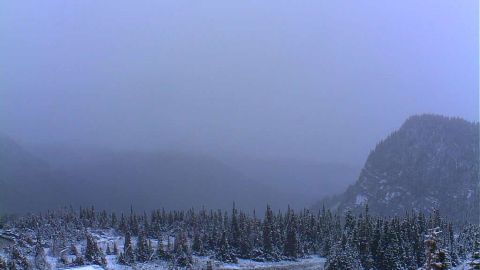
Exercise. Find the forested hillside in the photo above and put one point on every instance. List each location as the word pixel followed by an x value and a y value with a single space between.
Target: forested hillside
pixel 431 162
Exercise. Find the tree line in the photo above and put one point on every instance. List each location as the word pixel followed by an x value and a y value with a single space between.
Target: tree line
pixel 348 241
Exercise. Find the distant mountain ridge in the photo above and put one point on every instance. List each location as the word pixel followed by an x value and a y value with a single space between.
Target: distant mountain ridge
pixel 45 177
pixel 25 180
pixel 431 162
pixel 118 180
pixel 305 180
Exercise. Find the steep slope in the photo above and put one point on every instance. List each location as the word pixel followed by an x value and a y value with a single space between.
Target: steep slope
pixel 430 162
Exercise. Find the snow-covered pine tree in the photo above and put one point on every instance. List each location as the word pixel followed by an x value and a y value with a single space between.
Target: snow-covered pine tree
pixel 40 258
pixel 343 256
pixel 18 260
pixel 436 258
pixel 291 244
pixel 224 252
pixel 245 246
pixel 160 253
pixel 365 229
pixel 474 262
pixel 234 230
pixel 197 245
pixel 182 255
pixel 143 251
pixel 392 255
pixel 93 253
pixel 127 257
pixel 268 234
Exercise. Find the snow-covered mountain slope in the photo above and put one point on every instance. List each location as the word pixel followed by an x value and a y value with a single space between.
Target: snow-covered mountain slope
pixel 430 162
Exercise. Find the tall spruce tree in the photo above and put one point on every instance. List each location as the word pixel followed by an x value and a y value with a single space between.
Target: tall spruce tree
pixel 93 253
pixel 182 255
pixel 40 258
pixel 291 245
pixel 269 252
pixel 197 245
pixel 343 256
pixel 436 257
pixel 224 252
pixel 143 250
pixel 234 230
pixel 474 262
pixel 127 257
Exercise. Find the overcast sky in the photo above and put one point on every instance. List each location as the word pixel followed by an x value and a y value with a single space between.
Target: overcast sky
pixel 320 80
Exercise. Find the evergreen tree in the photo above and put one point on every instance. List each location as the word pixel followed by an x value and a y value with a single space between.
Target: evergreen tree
pixel 224 252
pixel 161 253
pixel 474 263
pixel 436 257
pixel 18 260
pixel 93 253
pixel 235 230
pixel 245 248
pixel 197 246
pixel 291 245
pixel 128 256
pixel 40 259
pixel 391 258
pixel 268 234
pixel 381 243
pixel 143 251
pixel 182 255
pixel 343 256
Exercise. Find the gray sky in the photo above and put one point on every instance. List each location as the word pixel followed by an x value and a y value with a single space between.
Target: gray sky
pixel 322 80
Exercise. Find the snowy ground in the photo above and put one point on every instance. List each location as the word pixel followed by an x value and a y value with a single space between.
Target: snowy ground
pixel 463 266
